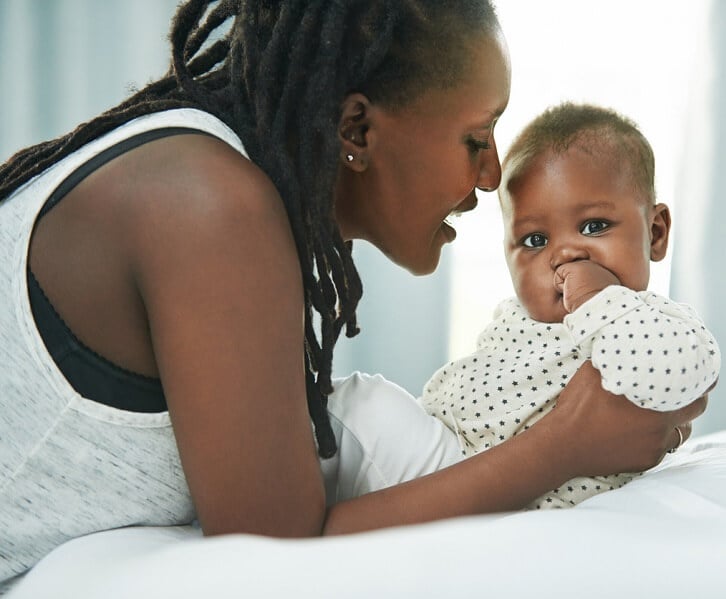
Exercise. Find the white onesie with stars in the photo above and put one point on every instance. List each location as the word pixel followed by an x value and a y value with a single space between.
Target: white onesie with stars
pixel 656 352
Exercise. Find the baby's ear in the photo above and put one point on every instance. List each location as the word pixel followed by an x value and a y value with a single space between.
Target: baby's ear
pixel 660 227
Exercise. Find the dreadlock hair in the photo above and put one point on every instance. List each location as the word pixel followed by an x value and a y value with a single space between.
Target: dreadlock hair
pixel 598 131
pixel 276 73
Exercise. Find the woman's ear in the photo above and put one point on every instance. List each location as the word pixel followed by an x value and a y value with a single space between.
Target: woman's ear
pixel 660 227
pixel 353 132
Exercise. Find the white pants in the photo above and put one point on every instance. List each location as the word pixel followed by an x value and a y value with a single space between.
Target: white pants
pixel 384 437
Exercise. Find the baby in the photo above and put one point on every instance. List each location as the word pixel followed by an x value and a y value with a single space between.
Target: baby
pixel 581 226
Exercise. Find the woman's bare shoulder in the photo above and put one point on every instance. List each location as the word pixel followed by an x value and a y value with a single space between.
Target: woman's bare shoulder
pixel 196 191
pixel 197 176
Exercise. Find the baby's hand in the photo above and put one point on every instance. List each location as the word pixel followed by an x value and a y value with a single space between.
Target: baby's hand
pixel 578 281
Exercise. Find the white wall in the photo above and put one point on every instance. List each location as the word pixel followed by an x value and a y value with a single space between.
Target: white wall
pixel 64 61
pixel 699 270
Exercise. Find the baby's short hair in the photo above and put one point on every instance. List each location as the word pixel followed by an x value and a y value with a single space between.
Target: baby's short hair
pixel 593 129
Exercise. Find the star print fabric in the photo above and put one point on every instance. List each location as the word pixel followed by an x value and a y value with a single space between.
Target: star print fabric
pixel 653 350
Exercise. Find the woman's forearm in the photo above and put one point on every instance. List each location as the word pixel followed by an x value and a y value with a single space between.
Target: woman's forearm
pixel 504 478
pixel 590 432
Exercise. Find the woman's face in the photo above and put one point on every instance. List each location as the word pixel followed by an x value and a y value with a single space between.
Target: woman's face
pixel 423 162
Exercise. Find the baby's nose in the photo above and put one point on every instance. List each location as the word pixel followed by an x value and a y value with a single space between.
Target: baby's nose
pixel 568 252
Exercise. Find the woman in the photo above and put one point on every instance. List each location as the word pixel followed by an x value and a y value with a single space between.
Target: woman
pixel 168 365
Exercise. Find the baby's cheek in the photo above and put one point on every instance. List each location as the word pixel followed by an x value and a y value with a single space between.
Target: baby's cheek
pixel 535 298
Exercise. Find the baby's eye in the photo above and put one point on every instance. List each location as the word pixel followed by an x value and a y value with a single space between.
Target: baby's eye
pixel 593 227
pixel 535 240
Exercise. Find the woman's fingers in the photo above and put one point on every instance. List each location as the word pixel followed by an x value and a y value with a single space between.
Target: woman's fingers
pixel 682 421
pixel 615 435
pixel 690 412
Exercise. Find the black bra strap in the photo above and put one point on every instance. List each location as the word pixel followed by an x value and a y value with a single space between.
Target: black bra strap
pixel 89 373
pixel 106 156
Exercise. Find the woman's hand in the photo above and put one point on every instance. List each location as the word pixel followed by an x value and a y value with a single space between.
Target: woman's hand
pixel 608 434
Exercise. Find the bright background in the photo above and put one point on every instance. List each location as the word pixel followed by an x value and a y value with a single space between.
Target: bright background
pixel 639 57
pixel 660 62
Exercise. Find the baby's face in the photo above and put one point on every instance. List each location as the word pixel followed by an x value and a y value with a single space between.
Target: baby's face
pixel 573 206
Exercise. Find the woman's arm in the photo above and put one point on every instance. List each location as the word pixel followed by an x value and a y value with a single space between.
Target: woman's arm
pixel 217 268
pixel 591 432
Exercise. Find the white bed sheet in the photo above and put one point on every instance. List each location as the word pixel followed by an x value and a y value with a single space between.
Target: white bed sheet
pixel 663 535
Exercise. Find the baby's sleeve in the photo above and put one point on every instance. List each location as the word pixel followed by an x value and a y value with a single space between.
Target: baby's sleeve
pixel 655 351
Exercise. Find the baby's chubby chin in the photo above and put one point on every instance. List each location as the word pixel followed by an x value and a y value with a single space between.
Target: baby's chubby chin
pixel 550 309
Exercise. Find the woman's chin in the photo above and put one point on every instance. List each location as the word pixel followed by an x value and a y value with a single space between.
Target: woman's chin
pixel 420 258
pixel 422 264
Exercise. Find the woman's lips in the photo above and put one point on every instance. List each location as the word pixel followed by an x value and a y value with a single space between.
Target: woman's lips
pixel 449 231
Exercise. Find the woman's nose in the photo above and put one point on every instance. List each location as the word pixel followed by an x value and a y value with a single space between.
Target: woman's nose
pixel 490 170
pixel 567 252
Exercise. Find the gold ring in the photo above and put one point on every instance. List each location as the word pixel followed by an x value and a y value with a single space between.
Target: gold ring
pixel 680 441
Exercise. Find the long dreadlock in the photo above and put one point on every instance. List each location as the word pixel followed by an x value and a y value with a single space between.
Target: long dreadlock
pixel 277 76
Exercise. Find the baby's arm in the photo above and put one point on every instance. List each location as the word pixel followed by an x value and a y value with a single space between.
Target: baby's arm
pixel 655 351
